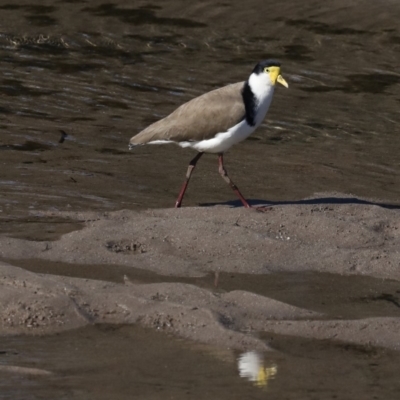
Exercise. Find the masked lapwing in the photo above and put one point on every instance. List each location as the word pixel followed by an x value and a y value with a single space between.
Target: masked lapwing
pixel 215 121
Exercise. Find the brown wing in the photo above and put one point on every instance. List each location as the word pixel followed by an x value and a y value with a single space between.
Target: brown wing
pixel 199 119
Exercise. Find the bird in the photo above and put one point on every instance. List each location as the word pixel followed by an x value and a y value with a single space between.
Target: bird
pixel 216 120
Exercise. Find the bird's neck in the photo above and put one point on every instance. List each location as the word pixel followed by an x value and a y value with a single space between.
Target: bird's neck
pixel 257 95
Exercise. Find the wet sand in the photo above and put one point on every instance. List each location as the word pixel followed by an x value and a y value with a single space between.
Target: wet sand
pixel 96 304
pixel 329 270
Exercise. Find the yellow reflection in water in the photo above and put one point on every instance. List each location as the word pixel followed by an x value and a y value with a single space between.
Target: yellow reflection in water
pixel 251 366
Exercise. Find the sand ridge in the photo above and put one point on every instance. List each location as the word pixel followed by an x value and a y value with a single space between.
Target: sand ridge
pixel 342 236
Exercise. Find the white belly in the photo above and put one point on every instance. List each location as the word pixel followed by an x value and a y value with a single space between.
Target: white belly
pixel 222 141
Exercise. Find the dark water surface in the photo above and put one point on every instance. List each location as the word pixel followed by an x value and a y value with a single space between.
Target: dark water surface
pixel 336 296
pixel 102 71
pixel 125 362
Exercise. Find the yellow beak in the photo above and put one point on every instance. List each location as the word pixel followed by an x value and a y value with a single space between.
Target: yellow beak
pixel 282 81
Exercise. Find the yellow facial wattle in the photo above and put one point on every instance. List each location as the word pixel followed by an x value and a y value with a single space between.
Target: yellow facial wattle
pixel 275 76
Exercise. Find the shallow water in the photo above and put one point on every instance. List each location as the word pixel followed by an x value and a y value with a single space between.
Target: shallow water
pixel 38 228
pixel 124 362
pixel 100 72
pixel 336 296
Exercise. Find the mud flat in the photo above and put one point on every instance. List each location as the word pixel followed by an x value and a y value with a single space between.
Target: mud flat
pixel 325 267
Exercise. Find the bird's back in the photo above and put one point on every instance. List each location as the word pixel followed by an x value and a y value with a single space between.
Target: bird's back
pixel 199 119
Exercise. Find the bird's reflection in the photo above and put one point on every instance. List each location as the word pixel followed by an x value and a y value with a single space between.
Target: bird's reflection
pixel 251 366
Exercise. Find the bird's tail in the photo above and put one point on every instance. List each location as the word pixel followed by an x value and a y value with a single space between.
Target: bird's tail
pixel 132 145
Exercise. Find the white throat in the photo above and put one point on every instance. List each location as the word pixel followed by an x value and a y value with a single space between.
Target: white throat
pixel 261 86
pixel 263 90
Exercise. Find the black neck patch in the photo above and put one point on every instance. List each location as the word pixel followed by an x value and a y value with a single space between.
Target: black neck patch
pixel 250 104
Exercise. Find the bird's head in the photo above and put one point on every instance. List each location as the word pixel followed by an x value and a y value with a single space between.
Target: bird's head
pixel 270 71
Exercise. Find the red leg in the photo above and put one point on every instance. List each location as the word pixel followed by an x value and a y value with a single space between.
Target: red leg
pixel 190 169
pixel 224 174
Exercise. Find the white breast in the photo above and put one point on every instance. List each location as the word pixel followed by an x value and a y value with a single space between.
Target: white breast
pixel 263 92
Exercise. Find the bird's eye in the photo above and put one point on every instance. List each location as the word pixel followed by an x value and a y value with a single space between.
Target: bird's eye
pixel 266 70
